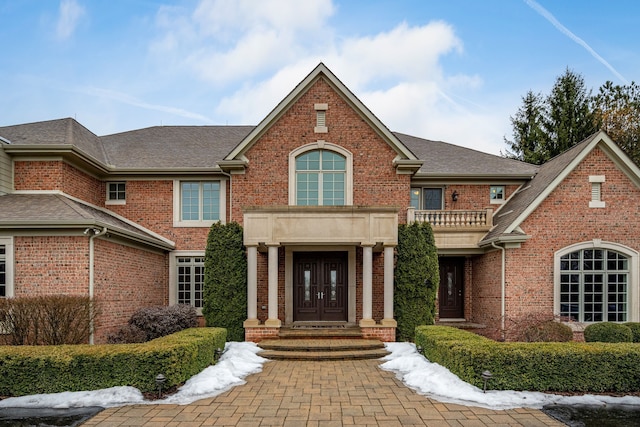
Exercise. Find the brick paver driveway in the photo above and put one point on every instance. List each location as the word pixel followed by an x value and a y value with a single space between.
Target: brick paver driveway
pixel 295 393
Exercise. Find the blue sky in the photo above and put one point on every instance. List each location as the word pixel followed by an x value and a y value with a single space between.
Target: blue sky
pixel 446 70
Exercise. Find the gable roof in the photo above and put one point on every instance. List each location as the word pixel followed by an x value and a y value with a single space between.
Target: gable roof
pixel 405 156
pixel 447 160
pixel 59 211
pixel 516 210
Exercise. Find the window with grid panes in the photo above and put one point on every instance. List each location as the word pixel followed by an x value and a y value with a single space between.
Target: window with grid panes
pixel 594 286
pixel 200 200
pixel 190 276
pixel 320 178
pixel 3 271
pixel 116 191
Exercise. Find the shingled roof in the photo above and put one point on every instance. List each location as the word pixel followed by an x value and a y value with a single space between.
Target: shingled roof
pixel 510 215
pixel 447 160
pixel 56 210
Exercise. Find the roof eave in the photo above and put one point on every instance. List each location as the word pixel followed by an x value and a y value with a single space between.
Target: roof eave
pixel 504 239
pixel 66 151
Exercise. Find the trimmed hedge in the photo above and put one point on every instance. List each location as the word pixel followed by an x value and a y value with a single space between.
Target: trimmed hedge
pixel 607 332
pixel 26 370
pixel 561 367
pixel 635 330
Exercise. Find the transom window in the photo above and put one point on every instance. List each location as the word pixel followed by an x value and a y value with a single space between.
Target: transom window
pixel 320 178
pixel 426 198
pixel 190 278
pixel 594 286
pixel 200 201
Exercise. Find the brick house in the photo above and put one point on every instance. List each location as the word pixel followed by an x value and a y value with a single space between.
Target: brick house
pixel 320 186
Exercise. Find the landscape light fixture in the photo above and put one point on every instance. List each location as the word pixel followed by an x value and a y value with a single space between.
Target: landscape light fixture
pixel 160 379
pixel 486 376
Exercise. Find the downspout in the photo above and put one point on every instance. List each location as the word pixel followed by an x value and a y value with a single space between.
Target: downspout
pixel 502 290
pixel 94 232
pixel 230 194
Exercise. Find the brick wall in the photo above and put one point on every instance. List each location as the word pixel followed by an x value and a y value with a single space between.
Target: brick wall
pixel 48 265
pixel 58 175
pixel 266 180
pixel 563 219
pixel 473 196
pixel 127 279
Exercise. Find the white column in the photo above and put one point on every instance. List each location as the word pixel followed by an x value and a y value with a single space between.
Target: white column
pixel 252 287
pixel 388 287
pixel 367 286
pixel 273 288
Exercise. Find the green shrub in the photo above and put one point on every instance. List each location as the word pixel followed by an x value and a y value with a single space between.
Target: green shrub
pixel 48 319
pixel 560 367
pixel 26 370
pixel 225 280
pixel 635 330
pixel 416 279
pixel 608 332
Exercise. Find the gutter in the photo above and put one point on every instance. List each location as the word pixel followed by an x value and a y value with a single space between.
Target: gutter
pixel 92 233
pixel 503 286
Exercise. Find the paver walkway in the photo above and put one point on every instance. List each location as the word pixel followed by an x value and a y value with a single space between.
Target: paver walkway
pixel 300 393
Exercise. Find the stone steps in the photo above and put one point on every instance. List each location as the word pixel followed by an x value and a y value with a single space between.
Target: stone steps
pixel 318 349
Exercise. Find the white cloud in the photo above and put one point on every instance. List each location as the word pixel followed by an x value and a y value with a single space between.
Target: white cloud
pixel 70 14
pixel 255 53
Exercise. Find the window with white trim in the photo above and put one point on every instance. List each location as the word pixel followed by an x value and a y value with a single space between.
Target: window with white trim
pixel 190 281
pixel 116 192
pixel 320 178
pixel 496 194
pixel 3 271
pixel 6 267
pixel 594 285
pixel 199 203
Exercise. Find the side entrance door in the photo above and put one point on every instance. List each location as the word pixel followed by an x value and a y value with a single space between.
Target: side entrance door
pixel 320 286
pixel 451 292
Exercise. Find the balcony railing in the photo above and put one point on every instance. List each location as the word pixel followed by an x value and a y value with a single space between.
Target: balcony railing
pixel 452 219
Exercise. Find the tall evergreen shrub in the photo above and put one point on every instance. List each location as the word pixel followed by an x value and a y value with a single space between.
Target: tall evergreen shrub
pixel 416 279
pixel 225 280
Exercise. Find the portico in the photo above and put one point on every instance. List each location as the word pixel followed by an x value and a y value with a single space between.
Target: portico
pixel 320 245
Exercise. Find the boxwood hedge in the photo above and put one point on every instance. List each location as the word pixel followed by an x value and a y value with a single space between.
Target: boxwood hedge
pixel 561 367
pixel 26 370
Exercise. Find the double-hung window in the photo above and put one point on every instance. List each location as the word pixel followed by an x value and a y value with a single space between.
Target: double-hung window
pixel 320 178
pixel 198 203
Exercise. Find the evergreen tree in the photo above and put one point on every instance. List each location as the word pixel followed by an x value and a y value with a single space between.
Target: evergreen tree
pixel 570 116
pixel 547 126
pixel 528 134
pixel 225 280
pixel 416 279
pixel 618 108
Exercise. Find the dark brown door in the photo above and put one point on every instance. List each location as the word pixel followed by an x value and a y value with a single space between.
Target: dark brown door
pixel 320 286
pixel 451 294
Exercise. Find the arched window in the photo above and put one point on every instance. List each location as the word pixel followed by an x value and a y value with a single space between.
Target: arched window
pixel 594 283
pixel 320 175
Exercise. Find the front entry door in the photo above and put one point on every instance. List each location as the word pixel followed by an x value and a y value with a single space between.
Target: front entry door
pixel 451 293
pixel 320 286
